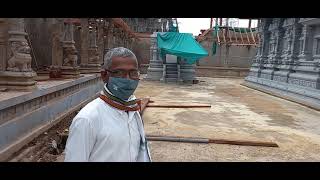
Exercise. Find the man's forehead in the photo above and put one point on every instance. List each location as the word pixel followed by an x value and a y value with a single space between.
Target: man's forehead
pixel 124 63
pixel 119 59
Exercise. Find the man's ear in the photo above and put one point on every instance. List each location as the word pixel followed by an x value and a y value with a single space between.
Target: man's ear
pixel 105 76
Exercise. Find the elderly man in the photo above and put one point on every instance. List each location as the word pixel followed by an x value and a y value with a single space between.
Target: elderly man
pixel 110 127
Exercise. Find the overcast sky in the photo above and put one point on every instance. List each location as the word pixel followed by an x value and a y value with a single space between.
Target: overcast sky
pixel 194 25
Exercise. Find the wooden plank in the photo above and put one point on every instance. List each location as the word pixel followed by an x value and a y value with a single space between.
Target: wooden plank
pixel 207 140
pixel 143 104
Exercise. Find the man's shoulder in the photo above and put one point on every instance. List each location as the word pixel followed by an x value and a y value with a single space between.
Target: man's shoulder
pixel 91 109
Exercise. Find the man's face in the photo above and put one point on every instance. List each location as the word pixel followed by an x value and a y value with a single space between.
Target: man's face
pixel 120 64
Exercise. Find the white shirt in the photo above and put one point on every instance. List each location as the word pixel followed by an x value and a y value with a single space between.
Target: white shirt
pixel 100 132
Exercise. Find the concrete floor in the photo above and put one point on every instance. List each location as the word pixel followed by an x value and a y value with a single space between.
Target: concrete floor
pixel 237 112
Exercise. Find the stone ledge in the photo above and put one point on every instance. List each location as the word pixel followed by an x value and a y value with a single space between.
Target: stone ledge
pixel 290 96
pixel 223 68
pixel 43 91
pixel 22 128
pixel 17 145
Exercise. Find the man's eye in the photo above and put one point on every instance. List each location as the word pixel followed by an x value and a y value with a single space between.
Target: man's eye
pixel 118 73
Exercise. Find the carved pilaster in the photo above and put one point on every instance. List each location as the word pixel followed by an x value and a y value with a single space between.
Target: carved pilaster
pixel 305 53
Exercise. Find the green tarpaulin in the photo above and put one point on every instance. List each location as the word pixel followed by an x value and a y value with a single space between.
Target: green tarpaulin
pixel 181 45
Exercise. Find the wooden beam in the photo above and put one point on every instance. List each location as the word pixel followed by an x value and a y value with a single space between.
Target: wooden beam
pixel 178 106
pixel 208 140
pixel 143 104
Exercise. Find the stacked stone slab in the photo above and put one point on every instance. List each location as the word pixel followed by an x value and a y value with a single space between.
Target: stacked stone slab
pixel 288 58
pixel 155 70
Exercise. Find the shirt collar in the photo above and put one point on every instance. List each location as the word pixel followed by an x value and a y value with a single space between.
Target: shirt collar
pixel 132 97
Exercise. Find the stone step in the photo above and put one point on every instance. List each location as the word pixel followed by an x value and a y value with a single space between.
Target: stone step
pixel 171 65
pixel 171 79
pixel 171 75
pixel 172 72
pixel 171 69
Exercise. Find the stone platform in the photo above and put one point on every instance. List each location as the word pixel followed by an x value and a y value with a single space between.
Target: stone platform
pixel 24 113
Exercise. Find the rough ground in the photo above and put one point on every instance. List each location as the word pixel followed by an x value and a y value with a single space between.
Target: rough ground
pixel 237 112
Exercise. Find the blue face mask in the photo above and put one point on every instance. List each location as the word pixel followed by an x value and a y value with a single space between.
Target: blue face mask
pixel 122 88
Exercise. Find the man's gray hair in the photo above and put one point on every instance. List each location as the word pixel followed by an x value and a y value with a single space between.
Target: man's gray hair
pixel 117 52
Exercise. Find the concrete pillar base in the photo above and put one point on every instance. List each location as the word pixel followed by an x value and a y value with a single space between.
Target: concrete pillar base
pixel 90 68
pixel 70 72
pixel 18 80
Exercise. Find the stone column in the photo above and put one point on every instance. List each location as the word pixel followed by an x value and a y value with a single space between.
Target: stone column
pixel 117 37
pixel 3 49
pixel 94 56
pixel 57 50
pixel 114 37
pixel 155 69
pixel 109 38
pixel 70 68
pixel 16 70
pixel 100 41
pixel 84 44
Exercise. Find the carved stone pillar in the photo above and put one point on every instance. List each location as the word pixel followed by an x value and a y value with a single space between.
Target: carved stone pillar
pixel 16 70
pixel 70 68
pixel 289 50
pixel 275 49
pixel 89 48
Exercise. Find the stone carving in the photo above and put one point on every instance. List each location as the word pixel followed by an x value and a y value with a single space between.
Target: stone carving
pixel 303 83
pixel 70 56
pixel 20 60
pixel 93 56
